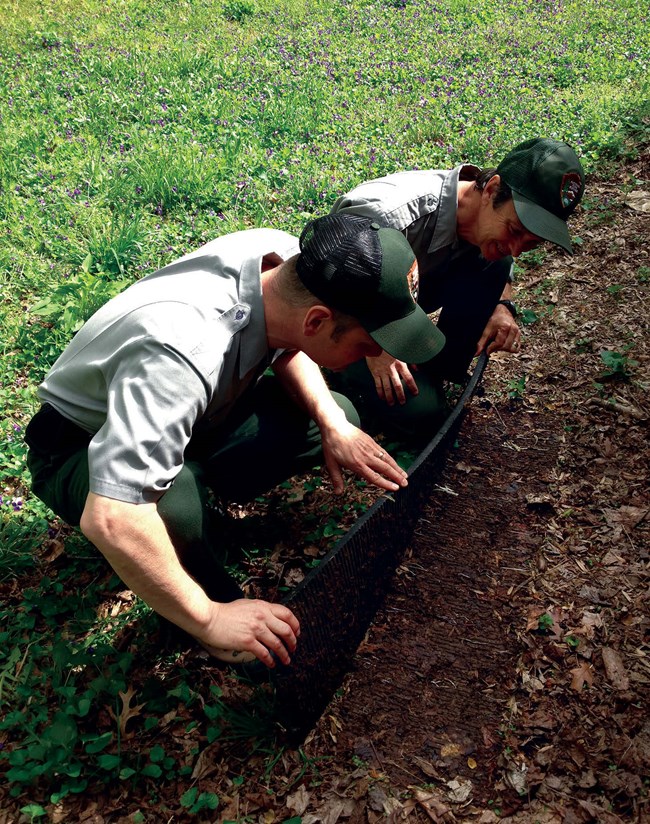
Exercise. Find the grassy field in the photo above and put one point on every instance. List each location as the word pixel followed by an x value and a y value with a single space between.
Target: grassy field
pixel 134 131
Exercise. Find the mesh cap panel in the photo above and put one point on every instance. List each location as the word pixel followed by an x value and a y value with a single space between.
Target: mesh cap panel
pixel 340 261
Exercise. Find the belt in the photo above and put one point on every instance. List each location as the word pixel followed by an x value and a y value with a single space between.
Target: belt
pixel 51 433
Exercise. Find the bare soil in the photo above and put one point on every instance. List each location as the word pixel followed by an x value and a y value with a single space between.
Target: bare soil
pixel 507 675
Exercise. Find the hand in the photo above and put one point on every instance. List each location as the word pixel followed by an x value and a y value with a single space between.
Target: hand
pixel 390 377
pixel 254 626
pixel 347 446
pixel 500 334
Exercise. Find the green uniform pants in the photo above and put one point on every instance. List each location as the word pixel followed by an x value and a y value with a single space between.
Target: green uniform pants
pixel 415 421
pixel 266 440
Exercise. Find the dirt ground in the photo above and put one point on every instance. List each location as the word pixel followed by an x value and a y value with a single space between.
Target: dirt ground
pixel 507 675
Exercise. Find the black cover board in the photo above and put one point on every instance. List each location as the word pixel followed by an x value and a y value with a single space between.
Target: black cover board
pixel 337 601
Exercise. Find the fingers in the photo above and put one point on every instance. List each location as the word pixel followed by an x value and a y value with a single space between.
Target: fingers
pixel 391 377
pixel 383 471
pixel 336 476
pixel 280 638
pixel 259 627
pixel 391 389
pixel 506 341
pixel 279 635
pixel 384 389
pixel 501 337
pixel 391 385
pixel 378 468
pixel 407 381
pixel 348 447
pixel 501 333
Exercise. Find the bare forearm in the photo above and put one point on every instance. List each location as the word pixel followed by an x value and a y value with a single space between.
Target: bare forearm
pixel 303 380
pixel 135 542
pixel 344 445
pixel 507 292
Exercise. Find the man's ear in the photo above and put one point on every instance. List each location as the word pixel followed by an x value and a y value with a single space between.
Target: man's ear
pixel 491 187
pixel 314 320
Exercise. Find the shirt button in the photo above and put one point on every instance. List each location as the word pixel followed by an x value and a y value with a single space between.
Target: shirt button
pixel 240 314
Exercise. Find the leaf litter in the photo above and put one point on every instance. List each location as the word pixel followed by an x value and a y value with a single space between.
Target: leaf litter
pixel 530 701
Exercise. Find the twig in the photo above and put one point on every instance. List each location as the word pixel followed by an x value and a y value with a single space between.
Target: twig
pixel 621 408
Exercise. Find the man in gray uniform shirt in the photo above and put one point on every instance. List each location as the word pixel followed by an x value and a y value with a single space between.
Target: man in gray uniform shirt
pixel 156 400
pixel 465 227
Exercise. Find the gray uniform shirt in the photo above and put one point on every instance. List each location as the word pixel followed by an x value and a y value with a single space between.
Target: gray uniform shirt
pixel 175 349
pixel 423 205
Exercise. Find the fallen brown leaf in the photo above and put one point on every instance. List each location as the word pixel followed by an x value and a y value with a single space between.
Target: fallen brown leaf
pixel 628 516
pixel 299 801
pixel 427 768
pixel 435 809
pixel 582 674
pixel 206 764
pixel 127 712
pixel 639 200
pixel 451 750
pixel 614 669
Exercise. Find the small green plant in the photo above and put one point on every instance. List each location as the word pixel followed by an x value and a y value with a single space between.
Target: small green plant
pixel 402 452
pixel 545 622
pixel 542 300
pixel 528 316
pixel 617 364
pixel 516 387
pixel 584 345
pixel 66 308
pixel 194 801
pixel 312 482
pixel 602 214
pixel 643 274
pixel 535 257
pixel 34 811
pixel 239 10
pixel 329 529
pixel 614 289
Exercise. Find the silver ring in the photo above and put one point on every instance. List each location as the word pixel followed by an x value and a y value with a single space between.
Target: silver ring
pixel 381 454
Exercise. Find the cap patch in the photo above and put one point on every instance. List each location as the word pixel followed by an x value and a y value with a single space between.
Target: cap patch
pixel 570 189
pixel 413 279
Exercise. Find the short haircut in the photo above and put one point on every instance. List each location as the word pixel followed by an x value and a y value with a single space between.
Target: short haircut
pixel 295 293
pixel 503 193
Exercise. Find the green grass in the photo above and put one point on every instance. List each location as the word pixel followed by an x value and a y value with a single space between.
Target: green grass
pixel 135 131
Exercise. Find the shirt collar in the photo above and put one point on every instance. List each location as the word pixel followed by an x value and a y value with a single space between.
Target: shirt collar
pixel 445 233
pixel 253 346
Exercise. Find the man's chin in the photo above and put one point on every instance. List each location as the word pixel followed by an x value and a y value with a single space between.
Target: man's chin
pixel 490 255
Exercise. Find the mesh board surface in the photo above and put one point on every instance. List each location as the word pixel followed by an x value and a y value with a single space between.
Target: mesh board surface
pixel 337 601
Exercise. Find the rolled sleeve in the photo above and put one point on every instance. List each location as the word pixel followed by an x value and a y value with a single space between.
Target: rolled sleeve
pixel 153 404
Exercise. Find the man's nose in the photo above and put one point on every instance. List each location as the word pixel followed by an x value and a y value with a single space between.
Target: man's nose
pixel 516 248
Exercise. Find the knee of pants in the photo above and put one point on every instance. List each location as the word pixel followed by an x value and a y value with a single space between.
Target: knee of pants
pixel 348 408
pixel 61 485
pixel 184 507
pixel 421 415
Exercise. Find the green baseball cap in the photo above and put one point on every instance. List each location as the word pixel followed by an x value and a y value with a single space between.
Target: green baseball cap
pixel 547 182
pixel 358 268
